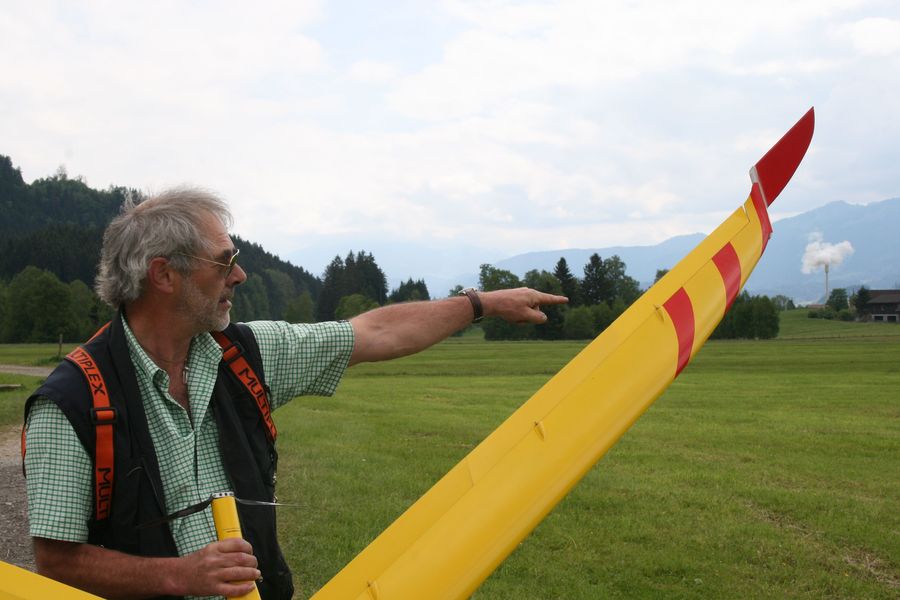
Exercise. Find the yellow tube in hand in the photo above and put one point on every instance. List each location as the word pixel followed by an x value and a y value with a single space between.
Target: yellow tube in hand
pixel 225 516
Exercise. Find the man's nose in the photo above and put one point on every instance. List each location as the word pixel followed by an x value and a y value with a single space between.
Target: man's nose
pixel 238 276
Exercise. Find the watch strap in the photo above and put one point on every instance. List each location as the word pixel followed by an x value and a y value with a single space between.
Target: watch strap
pixel 477 308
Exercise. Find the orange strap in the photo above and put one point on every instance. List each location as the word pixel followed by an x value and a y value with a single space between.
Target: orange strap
pixel 103 416
pixel 233 355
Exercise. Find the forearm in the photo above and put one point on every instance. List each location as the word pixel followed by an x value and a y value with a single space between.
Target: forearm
pixel 401 329
pixel 112 574
pixel 107 573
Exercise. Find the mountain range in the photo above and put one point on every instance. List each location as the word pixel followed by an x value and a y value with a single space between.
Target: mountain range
pixel 871 230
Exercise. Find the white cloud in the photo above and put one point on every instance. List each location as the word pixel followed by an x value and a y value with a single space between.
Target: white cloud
pixel 514 49
pixel 373 71
pixel 877 36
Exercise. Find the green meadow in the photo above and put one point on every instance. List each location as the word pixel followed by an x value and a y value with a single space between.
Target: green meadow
pixel 769 469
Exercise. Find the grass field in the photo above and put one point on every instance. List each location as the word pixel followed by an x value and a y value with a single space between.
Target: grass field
pixel 768 469
pixel 32 354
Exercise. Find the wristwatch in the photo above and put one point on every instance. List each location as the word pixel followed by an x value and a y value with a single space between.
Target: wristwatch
pixel 472 295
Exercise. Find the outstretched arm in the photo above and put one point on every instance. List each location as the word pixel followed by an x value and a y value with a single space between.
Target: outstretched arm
pixel 401 329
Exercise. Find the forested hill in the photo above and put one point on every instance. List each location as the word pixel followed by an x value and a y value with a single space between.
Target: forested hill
pixel 52 202
pixel 57 224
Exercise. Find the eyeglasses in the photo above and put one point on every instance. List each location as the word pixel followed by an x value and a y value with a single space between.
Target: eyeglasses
pixel 229 266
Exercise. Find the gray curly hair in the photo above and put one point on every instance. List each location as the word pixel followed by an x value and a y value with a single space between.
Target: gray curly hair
pixel 165 224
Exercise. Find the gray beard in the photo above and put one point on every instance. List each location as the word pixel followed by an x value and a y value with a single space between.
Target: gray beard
pixel 200 310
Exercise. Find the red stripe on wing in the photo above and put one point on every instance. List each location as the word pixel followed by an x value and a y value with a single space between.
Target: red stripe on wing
pixel 681 312
pixel 729 266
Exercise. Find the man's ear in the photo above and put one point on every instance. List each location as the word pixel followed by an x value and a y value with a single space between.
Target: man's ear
pixel 161 276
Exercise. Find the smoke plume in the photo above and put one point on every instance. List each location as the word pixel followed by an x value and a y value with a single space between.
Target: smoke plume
pixel 820 254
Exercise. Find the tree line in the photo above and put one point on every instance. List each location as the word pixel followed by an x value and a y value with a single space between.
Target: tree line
pixel 603 293
pixel 595 300
pixel 37 306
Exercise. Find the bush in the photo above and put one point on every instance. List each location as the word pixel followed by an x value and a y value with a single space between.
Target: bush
pixel 352 305
pixel 602 316
pixel 38 308
pixel 825 313
pixel 578 323
pixel 749 317
pixel 765 318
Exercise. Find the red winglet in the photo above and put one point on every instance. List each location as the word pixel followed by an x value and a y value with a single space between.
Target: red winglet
pixel 775 169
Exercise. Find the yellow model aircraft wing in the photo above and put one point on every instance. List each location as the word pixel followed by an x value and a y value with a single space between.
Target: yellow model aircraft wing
pixel 18 584
pixel 459 531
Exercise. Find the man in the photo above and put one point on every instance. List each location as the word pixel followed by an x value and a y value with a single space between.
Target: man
pixel 184 426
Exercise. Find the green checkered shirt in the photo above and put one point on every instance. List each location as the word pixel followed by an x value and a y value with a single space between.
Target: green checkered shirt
pixel 297 360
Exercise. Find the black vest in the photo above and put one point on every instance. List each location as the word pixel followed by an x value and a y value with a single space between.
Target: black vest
pixel 249 457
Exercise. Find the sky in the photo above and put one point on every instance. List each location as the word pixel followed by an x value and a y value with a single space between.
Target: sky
pixel 440 135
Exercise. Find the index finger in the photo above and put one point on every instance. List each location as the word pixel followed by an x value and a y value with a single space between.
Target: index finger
pixel 545 298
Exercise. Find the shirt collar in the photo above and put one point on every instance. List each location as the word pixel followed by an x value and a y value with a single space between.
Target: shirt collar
pixel 139 356
pixel 203 347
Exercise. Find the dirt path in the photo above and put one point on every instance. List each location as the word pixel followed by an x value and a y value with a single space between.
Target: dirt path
pixel 22 370
pixel 15 543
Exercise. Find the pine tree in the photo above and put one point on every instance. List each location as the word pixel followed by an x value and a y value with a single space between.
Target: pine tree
pixel 332 290
pixel 860 300
pixel 410 291
pixel 568 282
pixel 596 287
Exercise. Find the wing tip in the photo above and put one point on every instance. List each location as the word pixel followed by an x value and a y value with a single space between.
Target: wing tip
pixel 777 166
